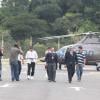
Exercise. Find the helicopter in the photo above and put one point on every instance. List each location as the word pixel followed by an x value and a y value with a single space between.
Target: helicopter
pixel 91 47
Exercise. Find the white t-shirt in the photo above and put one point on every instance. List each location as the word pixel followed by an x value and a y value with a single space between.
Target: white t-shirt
pixel 31 56
pixel 20 57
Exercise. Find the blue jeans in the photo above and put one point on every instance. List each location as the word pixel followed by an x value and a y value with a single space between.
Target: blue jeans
pixel 79 71
pixel 14 70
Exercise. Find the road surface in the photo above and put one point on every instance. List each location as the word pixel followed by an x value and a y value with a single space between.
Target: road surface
pixel 40 89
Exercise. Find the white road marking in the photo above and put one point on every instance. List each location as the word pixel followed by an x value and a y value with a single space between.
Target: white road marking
pixel 77 88
pixel 6 85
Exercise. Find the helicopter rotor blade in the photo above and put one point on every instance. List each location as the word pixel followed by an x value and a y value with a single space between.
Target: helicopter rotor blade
pixel 69 35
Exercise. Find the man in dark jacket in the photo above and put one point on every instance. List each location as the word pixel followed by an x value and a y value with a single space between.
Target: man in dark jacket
pixel 51 59
pixel 70 61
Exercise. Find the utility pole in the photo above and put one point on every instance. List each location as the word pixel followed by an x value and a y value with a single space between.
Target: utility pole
pixel 2 43
pixel 30 6
pixel 31 41
pixel 58 43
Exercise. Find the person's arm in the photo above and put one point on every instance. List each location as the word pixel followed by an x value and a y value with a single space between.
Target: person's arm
pixel 66 57
pixel 1 54
pixel 84 59
pixel 22 59
pixel 76 60
pixel 26 56
pixel 46 57
pixel 56 57
pixel 36 55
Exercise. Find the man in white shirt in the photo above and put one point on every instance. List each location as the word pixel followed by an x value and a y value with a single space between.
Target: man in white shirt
pixel 31 57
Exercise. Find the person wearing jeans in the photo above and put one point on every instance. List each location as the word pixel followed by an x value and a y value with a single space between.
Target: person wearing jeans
pixel 79 71
pixel 80 64
pixel 14 70
pixel 14 62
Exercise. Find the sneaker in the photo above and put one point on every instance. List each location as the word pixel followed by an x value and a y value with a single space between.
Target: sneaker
pixel 28 77
pixel 54 81
pixel 78 79
pixel 49 80
pixel 69 81
pixel 0 79
pixel 31 77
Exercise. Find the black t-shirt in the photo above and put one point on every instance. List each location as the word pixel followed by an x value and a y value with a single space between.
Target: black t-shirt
pixel 51 58
pixel 70 59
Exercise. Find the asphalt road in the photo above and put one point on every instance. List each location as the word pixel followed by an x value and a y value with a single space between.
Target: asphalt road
pixel 40 89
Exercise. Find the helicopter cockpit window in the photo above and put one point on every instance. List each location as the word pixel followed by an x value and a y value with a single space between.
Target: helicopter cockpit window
pixel 89 53
pixel 85 52
pixel 61 52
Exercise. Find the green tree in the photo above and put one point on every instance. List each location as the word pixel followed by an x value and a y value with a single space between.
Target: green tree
pixel 24 26
pixel 14 7
pixel 48 12
pixel 69 22
pixel 88 26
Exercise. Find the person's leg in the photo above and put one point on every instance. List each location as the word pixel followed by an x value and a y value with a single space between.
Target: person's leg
pixel 54 72
pixel 33 68
pixel 20 67
pixel 73 70
pixel 16 70
pixel 60 66
pixel 81 70
pixel 50 71
pixel 47 70
pixel 78 72
pixel 69 73
pixel 12 71
pixel 28 70
pixel 0 71
pixel 56 65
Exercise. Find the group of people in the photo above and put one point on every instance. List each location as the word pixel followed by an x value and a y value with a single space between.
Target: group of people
pixel 16 59
pixel 72 59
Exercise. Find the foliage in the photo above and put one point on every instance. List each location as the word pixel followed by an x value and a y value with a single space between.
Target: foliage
pixel 24 26
pixel 48 12
pixel 38 18
pixel 88 26
pixel 40 48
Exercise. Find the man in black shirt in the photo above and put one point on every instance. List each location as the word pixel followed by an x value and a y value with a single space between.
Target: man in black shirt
pixel 51 59
pixel 70 61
